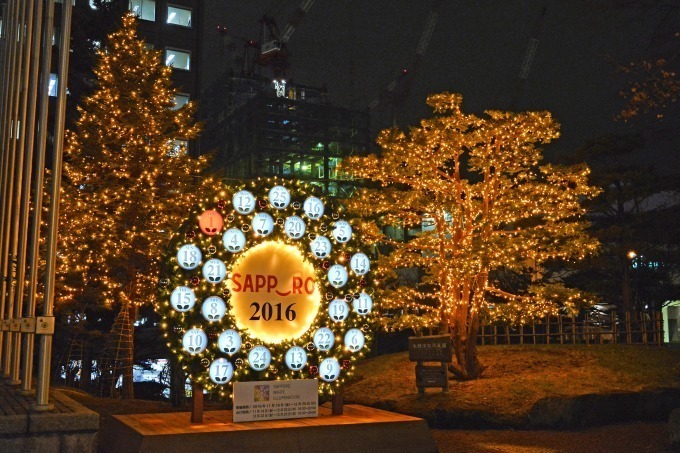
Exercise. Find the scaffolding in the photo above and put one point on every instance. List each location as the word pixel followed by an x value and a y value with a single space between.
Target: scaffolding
pixel 117 358
pixel 70 363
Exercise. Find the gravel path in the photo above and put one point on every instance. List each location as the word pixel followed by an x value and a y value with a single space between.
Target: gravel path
pixel 638 437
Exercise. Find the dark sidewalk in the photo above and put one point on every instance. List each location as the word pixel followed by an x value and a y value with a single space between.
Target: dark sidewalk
pixel 634 437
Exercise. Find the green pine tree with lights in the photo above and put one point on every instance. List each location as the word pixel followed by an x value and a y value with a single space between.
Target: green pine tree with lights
pixel 128 178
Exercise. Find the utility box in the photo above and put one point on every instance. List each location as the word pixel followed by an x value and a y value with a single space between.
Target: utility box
pixel 671 322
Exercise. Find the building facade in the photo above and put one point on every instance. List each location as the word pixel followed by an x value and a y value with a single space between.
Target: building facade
pixel 262 128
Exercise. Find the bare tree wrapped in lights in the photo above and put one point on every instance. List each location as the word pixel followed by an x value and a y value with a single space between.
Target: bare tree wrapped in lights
pixel 124 176
pixel 488 205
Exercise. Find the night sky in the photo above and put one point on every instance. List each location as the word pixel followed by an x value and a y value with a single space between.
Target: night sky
pixel 355 48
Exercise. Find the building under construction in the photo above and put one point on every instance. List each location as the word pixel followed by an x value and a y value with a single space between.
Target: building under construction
pixel 267 128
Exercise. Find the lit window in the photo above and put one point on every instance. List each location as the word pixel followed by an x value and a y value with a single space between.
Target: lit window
pixel 92 5
pixel 180 101
pixel 54 86
pixel 179 16
pixel 144 9
pixel 178 59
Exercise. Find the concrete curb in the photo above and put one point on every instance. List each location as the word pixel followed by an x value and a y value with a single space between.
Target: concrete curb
pixel 72 428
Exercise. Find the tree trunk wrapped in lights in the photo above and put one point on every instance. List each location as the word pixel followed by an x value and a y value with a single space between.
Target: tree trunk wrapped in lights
pixel 127 183
pixel 474 189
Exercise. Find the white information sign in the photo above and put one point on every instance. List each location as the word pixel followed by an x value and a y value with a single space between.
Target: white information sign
pixel 271 400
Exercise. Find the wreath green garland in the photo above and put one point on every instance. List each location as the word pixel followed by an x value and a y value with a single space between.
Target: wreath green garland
pixel 185 287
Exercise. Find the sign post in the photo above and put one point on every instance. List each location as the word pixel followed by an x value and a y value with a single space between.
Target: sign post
pixel 197 403
pixel 434 348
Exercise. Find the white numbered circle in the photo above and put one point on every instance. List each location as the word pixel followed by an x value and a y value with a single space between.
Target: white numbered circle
pixel 360 263
pixel 313 208
pixel 354 340
pixel 320 246
pixel 229 342
pixel 234 240
pixel 337 276
pixel 263 224
pixel 296 358
pixel 295 227
pixel 183 298
pixel 324 339
pixel 195 341
pixel 214 270
pixel 221 371
pixel 213 308
pixel 279 197
pixel 342 231
pixel 244 202
pixel 363 304
pixel 259 358
pixel 338 310
pixel 329 369
pixel 189 256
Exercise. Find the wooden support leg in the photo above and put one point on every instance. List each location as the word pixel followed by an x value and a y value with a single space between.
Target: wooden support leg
pixel 338 403
pixel 197 406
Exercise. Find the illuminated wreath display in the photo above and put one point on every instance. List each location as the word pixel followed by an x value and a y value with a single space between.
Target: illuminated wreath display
pixel 267 282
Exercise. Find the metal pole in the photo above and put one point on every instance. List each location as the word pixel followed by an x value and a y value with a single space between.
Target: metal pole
pixel 8 137
pixel 41 145
pixel 3 97
pixel 17 143
pixel 42 395
pixel 29 320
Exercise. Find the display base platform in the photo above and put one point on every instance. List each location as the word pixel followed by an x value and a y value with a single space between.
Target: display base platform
pixel 359 429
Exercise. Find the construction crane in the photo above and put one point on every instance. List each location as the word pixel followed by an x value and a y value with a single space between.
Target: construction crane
pixel 273 50
pixel 397 89
pixel 270 50
pixel 528 60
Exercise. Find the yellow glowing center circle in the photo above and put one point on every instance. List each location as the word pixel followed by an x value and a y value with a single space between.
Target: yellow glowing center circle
pixel 274 294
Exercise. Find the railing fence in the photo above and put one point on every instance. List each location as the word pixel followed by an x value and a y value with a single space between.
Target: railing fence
pixel 633 328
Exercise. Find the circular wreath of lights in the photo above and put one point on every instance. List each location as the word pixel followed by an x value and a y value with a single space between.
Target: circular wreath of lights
pixel 197 288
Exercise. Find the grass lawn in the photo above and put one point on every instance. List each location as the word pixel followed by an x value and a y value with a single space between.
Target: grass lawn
pixel 517 377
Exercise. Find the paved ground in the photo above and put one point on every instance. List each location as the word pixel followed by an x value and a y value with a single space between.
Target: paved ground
pixel 638 437
pixel 11 403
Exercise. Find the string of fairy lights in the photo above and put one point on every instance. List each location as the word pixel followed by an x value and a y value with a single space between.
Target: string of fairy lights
pixel 238 251
pixel 489 203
